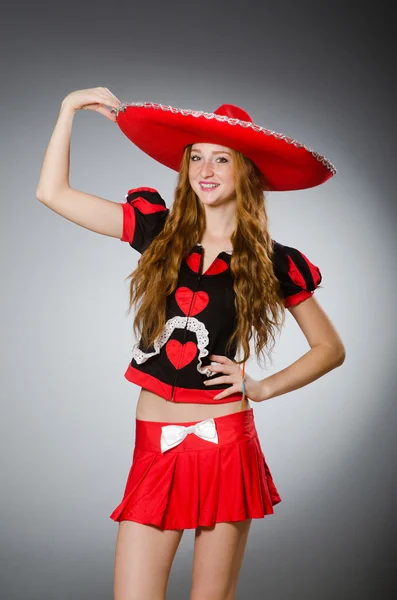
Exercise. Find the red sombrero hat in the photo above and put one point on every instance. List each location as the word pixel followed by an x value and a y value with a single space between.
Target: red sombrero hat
pixel 163 132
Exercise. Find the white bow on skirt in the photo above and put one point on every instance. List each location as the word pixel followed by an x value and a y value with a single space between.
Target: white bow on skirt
pixel 172 435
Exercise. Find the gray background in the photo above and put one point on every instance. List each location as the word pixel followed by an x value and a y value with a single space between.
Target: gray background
pixel 322 73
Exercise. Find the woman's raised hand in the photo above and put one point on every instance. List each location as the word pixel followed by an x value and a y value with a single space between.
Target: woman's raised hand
pixel 97 99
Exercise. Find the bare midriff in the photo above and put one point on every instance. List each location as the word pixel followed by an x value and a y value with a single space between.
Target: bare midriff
pixel 152 407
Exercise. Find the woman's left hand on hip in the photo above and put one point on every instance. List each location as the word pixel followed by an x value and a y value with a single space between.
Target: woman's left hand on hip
pixel 254 390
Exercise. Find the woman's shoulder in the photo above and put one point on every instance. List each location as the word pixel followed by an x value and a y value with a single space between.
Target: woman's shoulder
pixel 142 196
pixel 144 216
pixel 298 275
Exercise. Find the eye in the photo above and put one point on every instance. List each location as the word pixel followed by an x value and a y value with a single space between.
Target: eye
pixel 222 159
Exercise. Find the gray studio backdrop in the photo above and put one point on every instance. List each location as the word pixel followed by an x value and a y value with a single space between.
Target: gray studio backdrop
pixel 314 72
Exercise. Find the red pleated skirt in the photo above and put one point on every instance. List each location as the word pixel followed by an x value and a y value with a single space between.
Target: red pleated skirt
pixel 198 482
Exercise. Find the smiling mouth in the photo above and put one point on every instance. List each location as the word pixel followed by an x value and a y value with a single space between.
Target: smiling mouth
pixel 208 186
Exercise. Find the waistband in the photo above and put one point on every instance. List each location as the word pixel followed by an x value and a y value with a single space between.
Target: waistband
pixel 179 394
pixel 235 427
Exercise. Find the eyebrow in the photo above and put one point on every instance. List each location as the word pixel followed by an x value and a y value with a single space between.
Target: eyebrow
pixel 215 152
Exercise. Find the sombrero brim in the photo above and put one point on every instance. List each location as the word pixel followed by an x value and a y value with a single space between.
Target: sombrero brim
pixel 163 132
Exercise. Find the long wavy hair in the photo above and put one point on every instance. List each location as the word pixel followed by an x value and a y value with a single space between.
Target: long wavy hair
pixel 259 307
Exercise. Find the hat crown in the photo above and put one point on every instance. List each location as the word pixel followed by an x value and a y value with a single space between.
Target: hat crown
pixel 233 112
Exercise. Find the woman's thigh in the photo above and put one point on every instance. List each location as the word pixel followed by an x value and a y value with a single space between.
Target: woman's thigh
pixel 218 556
pixel 143 560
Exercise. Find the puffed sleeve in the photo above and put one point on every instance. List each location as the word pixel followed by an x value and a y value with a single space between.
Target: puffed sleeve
pixel 298 277
pixel 144 216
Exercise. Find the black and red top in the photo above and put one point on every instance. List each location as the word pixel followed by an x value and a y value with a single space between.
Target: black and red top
pixel 201 315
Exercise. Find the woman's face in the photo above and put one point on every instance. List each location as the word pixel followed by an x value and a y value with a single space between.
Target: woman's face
pixel 211 173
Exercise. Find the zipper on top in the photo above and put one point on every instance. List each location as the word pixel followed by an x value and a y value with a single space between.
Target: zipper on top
pixel 188 315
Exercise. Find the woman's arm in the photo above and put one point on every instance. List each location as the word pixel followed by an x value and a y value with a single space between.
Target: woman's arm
pixel 327 351
pixel 54 174
pixel 53 189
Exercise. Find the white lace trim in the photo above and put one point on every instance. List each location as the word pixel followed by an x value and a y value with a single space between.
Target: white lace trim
pixel 192 324
pixel 246 124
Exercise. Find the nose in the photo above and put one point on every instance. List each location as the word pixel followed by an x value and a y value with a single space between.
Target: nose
pixel 206 168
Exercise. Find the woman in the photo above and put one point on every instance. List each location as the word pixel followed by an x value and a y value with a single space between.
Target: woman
pixel 211 278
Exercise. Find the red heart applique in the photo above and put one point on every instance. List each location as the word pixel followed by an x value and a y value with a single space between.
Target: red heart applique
pixel 174 350
pixel 183 296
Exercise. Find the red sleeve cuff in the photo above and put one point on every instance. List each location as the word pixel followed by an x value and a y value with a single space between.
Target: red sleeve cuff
pixel 128 223
pixel 296 298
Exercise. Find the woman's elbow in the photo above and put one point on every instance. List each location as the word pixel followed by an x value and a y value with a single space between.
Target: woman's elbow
pixel 338 354
pixel 334 353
